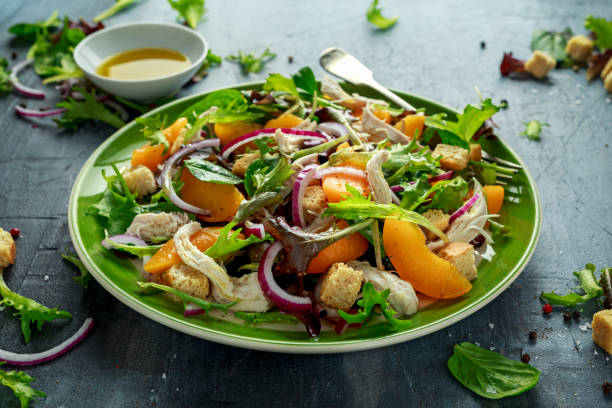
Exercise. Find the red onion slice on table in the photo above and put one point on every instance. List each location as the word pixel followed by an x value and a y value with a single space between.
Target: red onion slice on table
pixel 465 208
pixel 21 111
pixel 261 133
pixel 20 88
pixel 302 181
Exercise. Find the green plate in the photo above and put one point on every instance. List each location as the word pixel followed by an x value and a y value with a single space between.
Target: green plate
pixel 521 211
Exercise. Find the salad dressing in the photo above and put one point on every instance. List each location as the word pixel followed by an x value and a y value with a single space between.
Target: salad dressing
pixel 144 63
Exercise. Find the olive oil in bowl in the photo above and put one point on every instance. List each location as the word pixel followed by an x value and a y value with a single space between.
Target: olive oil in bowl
pixel 143 63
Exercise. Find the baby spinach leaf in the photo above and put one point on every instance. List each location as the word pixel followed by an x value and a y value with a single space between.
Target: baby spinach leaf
pixel 210 172
pixel 19 382
pixel 279 83
pixel 374 16
pixel 551 42
pixel 490 374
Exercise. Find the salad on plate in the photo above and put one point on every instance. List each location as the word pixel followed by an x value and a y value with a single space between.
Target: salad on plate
pixel 303 203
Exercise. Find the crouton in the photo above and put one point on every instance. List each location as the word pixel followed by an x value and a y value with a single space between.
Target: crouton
pixel 475 152
pixel 140 180
pixel 7 249
pixel 579 48
pixel 452 157
pixel 540 64
pixel 439 219
pixel 461 255
pixel 242 164
pixel 606 69
pixel 602 329
pixel 608 82
pixel 314 203
pixel 186 279
pixel 340 286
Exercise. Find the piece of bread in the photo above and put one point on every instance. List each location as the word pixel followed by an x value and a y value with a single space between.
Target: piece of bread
pixel 242 164
pixel 461 255
pixel 452 157
pixel 540 64
pixel 439 219
pixel 140 180
pixel 340 287
pixel 579 48
pixel 186 279
pixel 602 329
pixel 475 152
pixel 608 82
pixel 7 249
pixel 314 203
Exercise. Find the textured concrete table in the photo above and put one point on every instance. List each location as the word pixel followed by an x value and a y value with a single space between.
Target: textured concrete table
pixel 130 361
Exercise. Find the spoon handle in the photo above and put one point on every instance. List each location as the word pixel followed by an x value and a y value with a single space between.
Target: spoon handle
pixel 390 95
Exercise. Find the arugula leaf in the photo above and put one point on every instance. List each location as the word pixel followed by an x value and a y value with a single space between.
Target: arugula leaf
pixel 357 207
pixel 489 374
pixel 112 10
pixel 211 60
pixel 210 172
pixel 603 29
pixel 205 305
pixel 78 112
pixel 266 317
pixel 228 241
pixel 192 11
pixel 6 86
pixel 153 130
pixel 374 16
pixel 551 42
pixel 306 81
pixel 533 129
pixel 370 298
pixel 29 31
pixel 28 310
pixel 19 382
pixel 258 166
pixel 85 277
pixel 449 196
pixel 139 251
pixel 588 284
pixel 249 62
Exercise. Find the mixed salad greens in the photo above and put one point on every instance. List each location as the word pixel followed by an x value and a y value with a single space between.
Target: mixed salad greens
pixel 304 201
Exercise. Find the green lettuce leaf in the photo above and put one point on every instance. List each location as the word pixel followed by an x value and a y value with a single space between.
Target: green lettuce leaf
pixel 533 129
pixel 6 86
pixel 192 11
pixel 29 31
pixel 19 382
pixel 374 16
pixel 153 130
pixel 78 112
pixel 210 61
pixel 603 29
pixel 588 284
pixel 551 42
pixel 249 62
pixel 229 242
pixel 85 277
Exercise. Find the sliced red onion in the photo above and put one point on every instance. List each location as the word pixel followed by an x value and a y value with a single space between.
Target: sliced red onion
pixel 166 177
pixel 193 310
pixel 465 208
pixel 333 128
pixel 124 239
pixel 270 288
pixel 22 89
pixel 51 354
pixel 123 114
pixel 441 177
pixel 328 171
pixel 261 133
pixel 21 111
pixel 397 189
pixel 302 181
pixel 251 228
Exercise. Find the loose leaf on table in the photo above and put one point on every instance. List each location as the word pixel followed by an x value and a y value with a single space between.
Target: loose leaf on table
pixel 211 60
pixel 29 31
pixel 588 284
pixel 6 85
pixel 28 310
pixel 192 11
pixel 85 277
pixel 370 298
pixel 489 374
pixel 266 317
pixel 209 172
pixel 153 130
pixel 249 62
pixel 603 29
pixel 551 43
pixel 533 129
pixel 374 16
pixel 78 112
pixel 19 382
pixel 205 305
pixel 229 241
pixel 112 10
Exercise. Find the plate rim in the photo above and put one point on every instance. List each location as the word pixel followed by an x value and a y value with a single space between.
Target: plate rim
pixel 281 346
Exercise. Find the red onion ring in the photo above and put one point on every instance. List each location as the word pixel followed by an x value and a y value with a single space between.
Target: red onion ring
pixel 465 208
pixel 333 128
pixel 21 111
pixel 270 288
pixel 328 171
pixel 51 354
pixel 22 89
pixel 441 177
pixel 166 178
pixel 251 228
pixel 302 181
pixel 261 133
pixel 124 239
pixel 193 310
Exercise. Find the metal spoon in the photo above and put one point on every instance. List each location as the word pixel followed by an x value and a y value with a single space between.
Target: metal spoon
pixel 338 62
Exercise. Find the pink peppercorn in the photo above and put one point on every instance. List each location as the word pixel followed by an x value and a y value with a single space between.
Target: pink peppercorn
pixel 547 308
pixel 14 232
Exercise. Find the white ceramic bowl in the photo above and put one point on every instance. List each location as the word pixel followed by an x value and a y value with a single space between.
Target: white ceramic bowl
pixel 96 48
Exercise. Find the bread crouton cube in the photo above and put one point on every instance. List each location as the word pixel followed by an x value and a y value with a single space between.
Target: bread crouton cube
pixel 439 219
pixel 7 249
pixel 340 286
pixel 314 203
pixel 608 82
pixel 242 164
pixel 186 279
pixel 602 329
pixel 606 69
pixel 140 180
pixel 475 152
pixel 540 64
pixel 452 157
pixel 579 48
pixel 461 255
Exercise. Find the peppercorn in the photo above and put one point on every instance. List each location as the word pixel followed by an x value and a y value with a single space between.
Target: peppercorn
pixel 14 232
pixel 607 387
pixel 533 335
pixel 576 314
pixel 525 358
pixel 290 58
pixel 504 103
pixel 567 317
pixel 13 55
pixel 483 45
pixel 547 308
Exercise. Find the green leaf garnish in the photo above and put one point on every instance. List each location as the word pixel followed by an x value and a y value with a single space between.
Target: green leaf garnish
pixel 85 277
pixel 588 284
pixel 603 29
pixel 153 130
pixel 551 42
pixel 29 31
pixel 267 317
pixel 6 85
pixel 19 382
pixel 533 129
pixel 210 61
pixel 78 112
pixel 205 305
pixel 192 11
pixel 374 16
pixel 249 62
pixel 112 10
pixel 229 241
